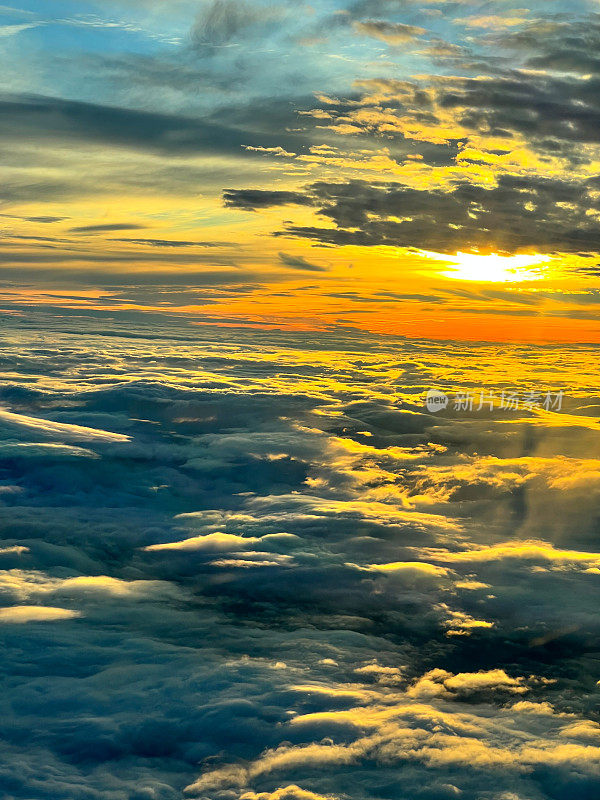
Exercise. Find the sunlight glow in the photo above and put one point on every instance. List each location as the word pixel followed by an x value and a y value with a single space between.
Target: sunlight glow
pixel 493 268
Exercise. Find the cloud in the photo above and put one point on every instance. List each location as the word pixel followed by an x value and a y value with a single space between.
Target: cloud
pixel 399 733
pixel 299 262
pixel 42 220
pixel 59 429
pixel 44 118
pixel 22 584
pixel 291 792
pixel 13 30
pixel 253 199
pixel 381 673
pixel 170 243
pixel 221 541
pixel 496 21
pixel 291 581
pixel 224 21
pixel 390 32
pixel 106 228
pixel 212 542
pixel 492 679
pixel 21 614
pixel 40 450
pixel 523 550
pixel 397 215
pixel 276 151
pixel 410 567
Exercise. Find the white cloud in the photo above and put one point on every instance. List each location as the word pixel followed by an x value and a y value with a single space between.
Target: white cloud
pixel 22 614
pixel 48 427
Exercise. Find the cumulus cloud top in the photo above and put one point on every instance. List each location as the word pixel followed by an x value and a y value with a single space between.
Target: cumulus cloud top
pixel 22 614
pixel 61 429
pixel 288 580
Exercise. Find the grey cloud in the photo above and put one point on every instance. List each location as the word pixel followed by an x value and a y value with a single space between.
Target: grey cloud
pixel 172 243
pixel 40 220
pixel 45 118
pixel 121 278
pixel 299 262
pixel 253 199
pixel 106 228
pixel 466 216
pixel 224 21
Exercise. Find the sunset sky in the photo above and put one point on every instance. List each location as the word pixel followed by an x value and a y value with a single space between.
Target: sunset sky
pixel 243 554
pixel 306 166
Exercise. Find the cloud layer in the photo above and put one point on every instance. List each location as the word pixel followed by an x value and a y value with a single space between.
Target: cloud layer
pixel 238 565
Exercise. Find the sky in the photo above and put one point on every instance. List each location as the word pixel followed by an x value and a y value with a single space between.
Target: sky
pixel 415 169
pixel 299 405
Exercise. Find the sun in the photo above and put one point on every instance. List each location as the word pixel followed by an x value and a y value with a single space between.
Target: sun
pixel 492 268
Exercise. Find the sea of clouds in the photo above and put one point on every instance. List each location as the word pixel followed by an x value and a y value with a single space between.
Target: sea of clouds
pixel 249 565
